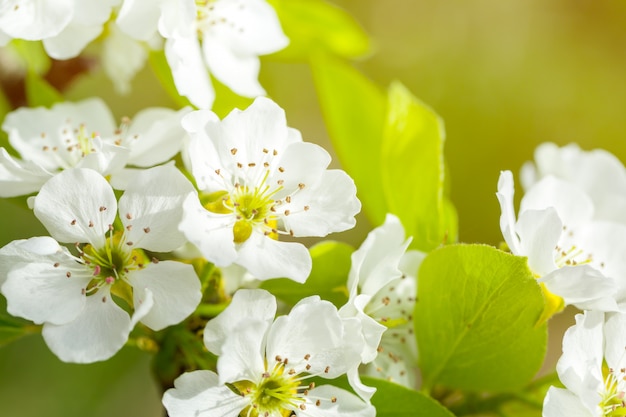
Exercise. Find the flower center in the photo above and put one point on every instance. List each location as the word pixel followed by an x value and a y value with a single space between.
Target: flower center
pixel 213 15
pixel 111 263
pixel 280 390
pixel 612 403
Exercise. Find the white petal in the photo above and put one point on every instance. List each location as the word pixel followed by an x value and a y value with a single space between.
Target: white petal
pixel 539 232
pixel 33 19
pixel 581 362
pixel 243 353
pixel 560 402
pixel 313 327
pixel 245 305
pixel 237 72
pixel 615 340
pixel 505 195
pixel 19 177
pixel 175 289
pixel 267 258
pixel 139 18
pixel 177 18
pixel 359 388
pixel 301 163
pixel 211 233
pixel 42 292
pixel 35 249
pixel 190 75
pixel 376 262
pixel 372 331
pixel 151 208
pixel 156 135
pixel 77 205
pixel 95 335
pixel 571 203
pixel 199 392
pixel 346 404
pixel 70 42
pixel 583 287
pixel 332 205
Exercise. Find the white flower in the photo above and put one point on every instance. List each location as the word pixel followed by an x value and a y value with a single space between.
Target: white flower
pixel 84 135
pixel 225 36
pixel 259 180
pixel 383 288
pixel 264 364
pixel 592 389
pixel 65 26
pixel 72 294
pixel 598 173
pixel 576 258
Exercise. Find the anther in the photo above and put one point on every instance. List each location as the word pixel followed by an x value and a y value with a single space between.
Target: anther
pixel 56 265
pixel 265 150
pixel 109 280
pixel 68 274
pixel 251 164
pixel 146 230
pixel 302 407
pixel 90 223
pixel 326 369
pixel 73 222
pixel 96 271
pixel 306 208
pixel 287 212
pixel 155 260
pixel 308 366
pixel 307 357
pixel 274 152
pixel 102 208
pixel 128 216
pixel 301 186
pixel 312 385
pixel 130 226
pixel 278 358
pixel 281 169
pixel 317 403
pixel 239 165
pixel 333 399
pixel 291 371
pixel 280 182
pixel 217 171
pixel 104 299
pixel 129 243
pixel 265 374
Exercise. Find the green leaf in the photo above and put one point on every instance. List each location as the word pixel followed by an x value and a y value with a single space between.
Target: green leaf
pixel 393 400
pixel 413 169
pixel 33 55
pixel 163 73
pixel 476 319
pixel 328 279
pixel 354 111
pixel 39 92
pixel 313 25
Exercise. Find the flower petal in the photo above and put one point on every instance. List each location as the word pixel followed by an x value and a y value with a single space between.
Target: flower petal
pixel 539 232
pixel 280 259
pixel 174 287
pixel 35 20
pixel 190 75
pixel 345 404
pixel 245 305
pixel 19 177
pixel 95 335
pixel 242 355
pixel 505 195
pixel 582 286
pixel 44 293
pixel 152 208
pixel 199 392
pixel 560 402
pixel 77 205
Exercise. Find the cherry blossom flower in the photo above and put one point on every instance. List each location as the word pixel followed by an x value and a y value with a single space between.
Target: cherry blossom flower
pixel 224 36
pixel 576 258
pixel 64 26
pixel 383 289
pixel 258 180
pixel 264 364
pixel 84 135
pixel 81 298
pixel 592 389
pixel 597 172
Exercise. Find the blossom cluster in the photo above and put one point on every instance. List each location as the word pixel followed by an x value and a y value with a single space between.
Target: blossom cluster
pixel 571 227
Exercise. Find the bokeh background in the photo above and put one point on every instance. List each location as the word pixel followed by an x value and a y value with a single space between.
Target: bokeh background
pixel 504 76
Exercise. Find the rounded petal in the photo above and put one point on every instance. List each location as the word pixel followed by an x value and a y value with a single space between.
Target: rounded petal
pixel 45 293
pixel 560 402
pixel 70 42
pixel 571 203
pixel 539 232
pixel 246 305
pixel 314 334
pixel 35 249
pixel 152 208
pixel 242 355
pixel 200 392
pixel 156 135
pixel 582 286
pixel 267 258
pixel 139 18
pixel 190 75
pixel 122 58
pixel 324 207
pixel 95 335
pixel 35 20
pixel 77 205
pixel 377 261
pixel 237 72
pixel 174 288
pixel 300 163
pixel 19 177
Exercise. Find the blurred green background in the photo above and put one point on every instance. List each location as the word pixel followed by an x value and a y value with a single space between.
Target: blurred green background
pixel 504 76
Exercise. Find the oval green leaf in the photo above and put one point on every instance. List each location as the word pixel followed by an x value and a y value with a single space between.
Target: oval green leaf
pixel 476 319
